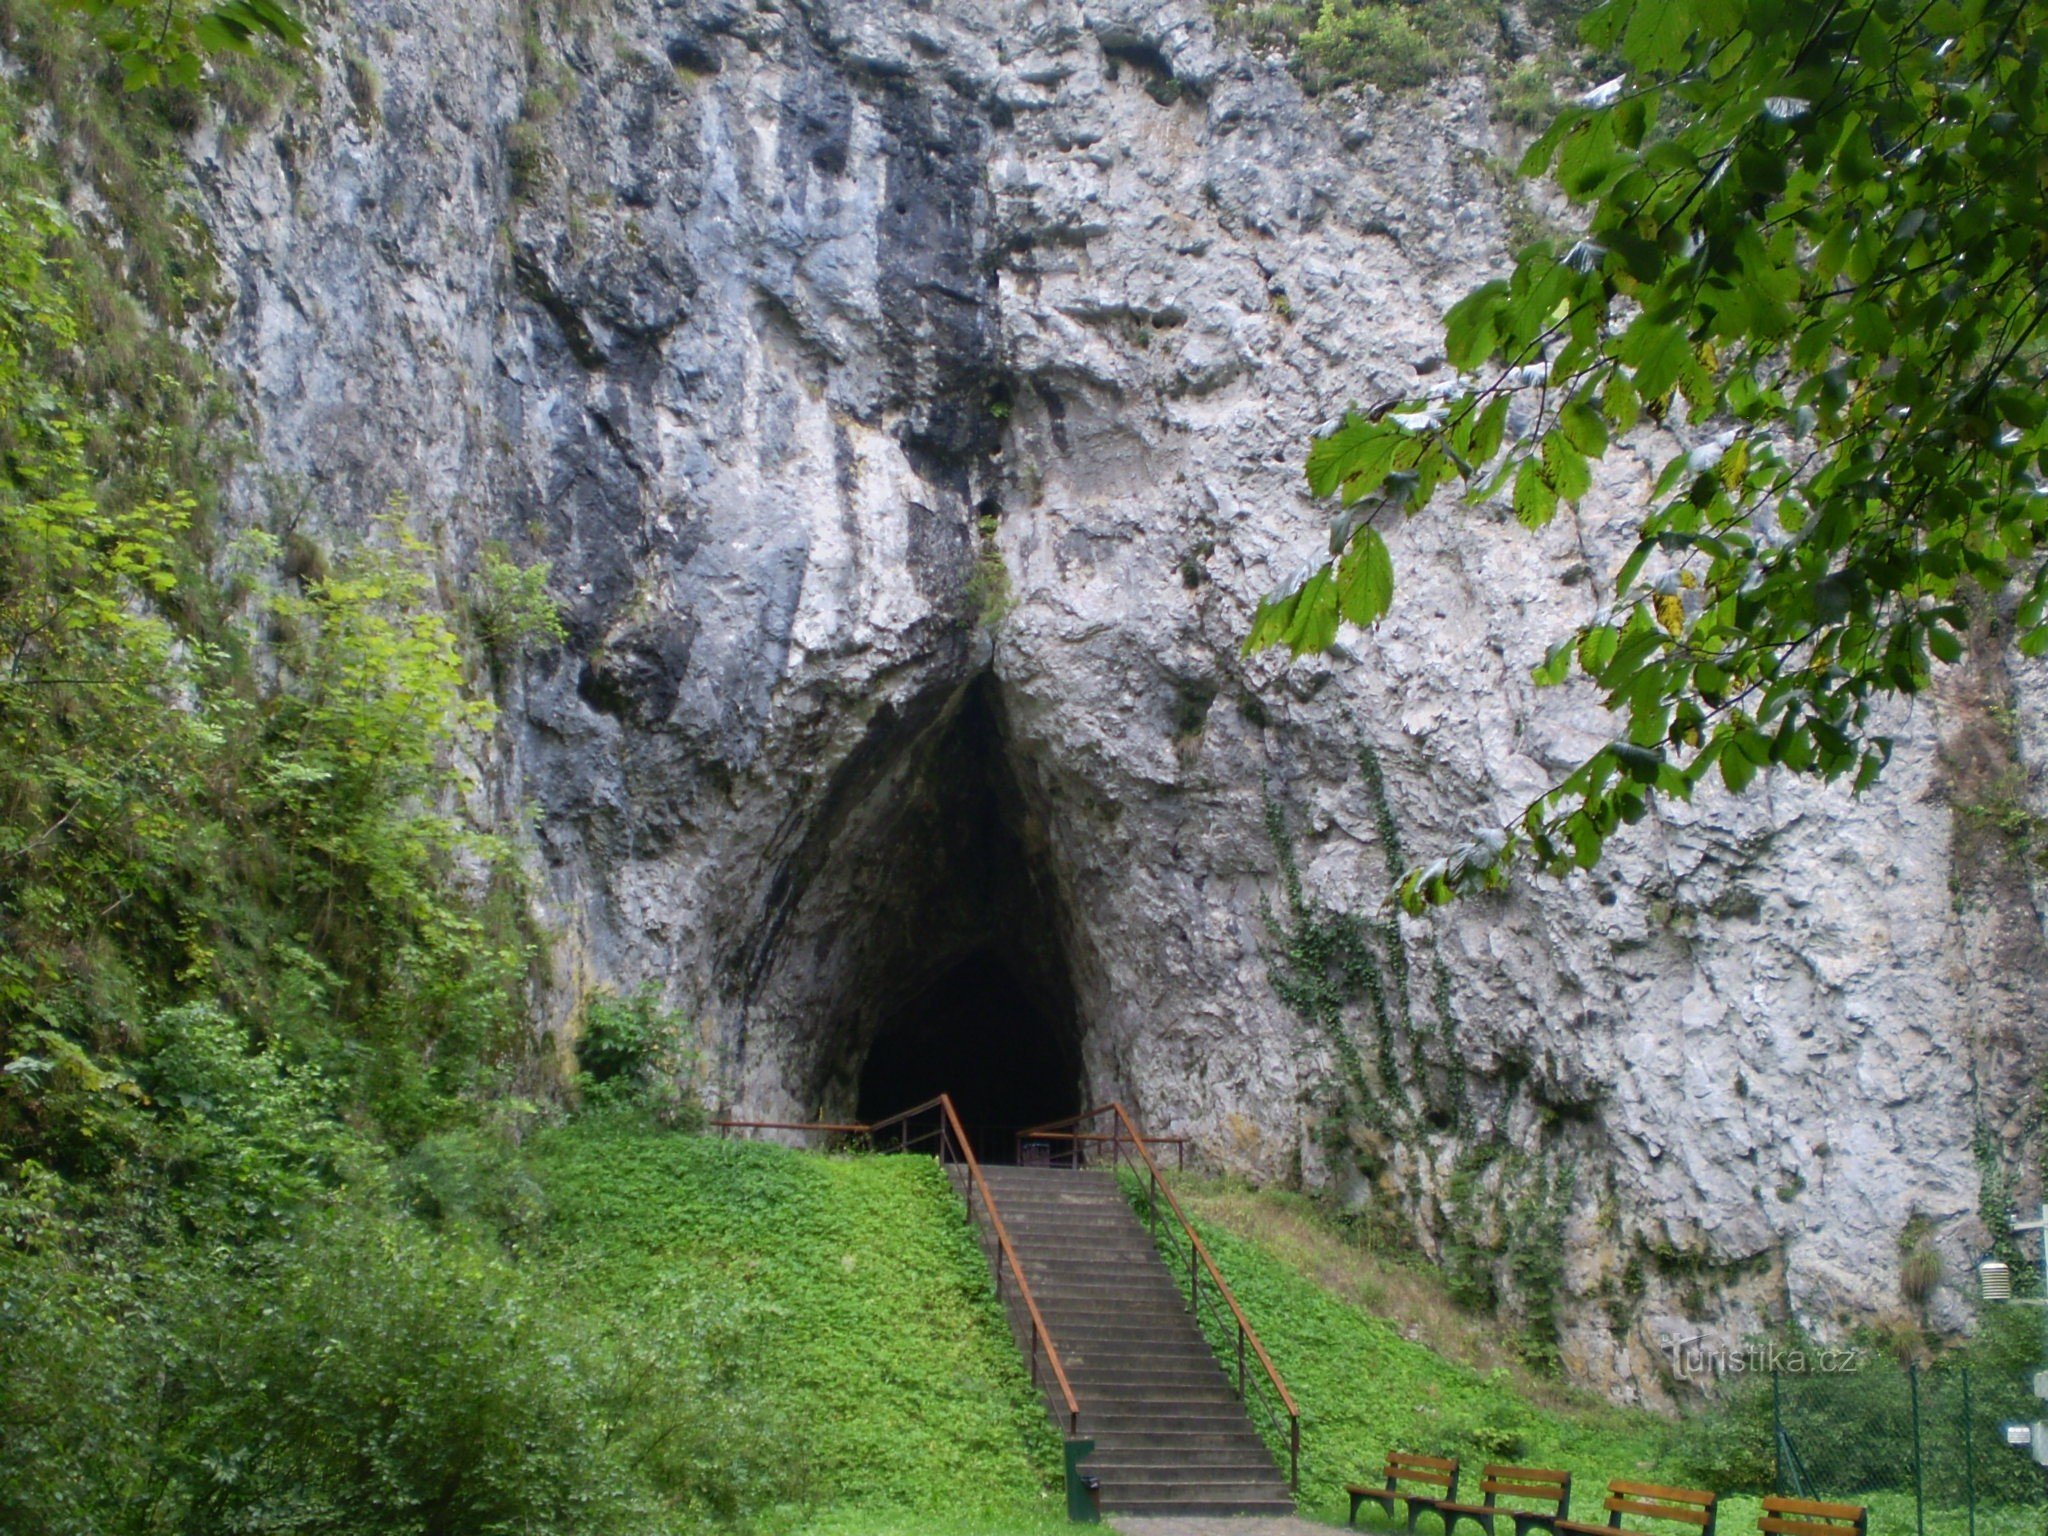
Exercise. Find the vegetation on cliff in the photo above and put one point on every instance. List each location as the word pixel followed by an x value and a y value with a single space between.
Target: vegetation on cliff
pixel 1811 253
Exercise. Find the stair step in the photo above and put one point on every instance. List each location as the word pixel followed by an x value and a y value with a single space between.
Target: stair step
pixel 1126 1419
pixel 1146 1438
pixel 1171 1436
pixel 1219 1488
pixel 1213 1508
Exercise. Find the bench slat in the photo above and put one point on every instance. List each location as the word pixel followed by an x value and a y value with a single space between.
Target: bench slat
pixel 1774 1525
pixel 1658 1491
pixel 1436 1463
pixel 1785 1504
pixel 1652 1511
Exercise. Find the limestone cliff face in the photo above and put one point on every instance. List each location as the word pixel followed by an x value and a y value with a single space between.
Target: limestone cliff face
pixel 910 395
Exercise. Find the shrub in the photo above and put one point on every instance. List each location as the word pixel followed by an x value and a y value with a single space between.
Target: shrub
pixel 1728 1444
pixel 387 1381
pixel 472 1178
pixel 510 607
pixel 634 1051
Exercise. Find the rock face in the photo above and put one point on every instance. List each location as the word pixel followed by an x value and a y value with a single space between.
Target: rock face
pixel 910 396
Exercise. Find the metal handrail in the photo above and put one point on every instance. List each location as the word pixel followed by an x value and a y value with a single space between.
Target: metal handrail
pixel 953 1146
pixel 1041 1133
pixel 951 1130
pixel 1123 1131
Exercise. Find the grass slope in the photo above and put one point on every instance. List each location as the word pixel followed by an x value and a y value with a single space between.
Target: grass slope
pixel 1365 1386
pixel 847 1291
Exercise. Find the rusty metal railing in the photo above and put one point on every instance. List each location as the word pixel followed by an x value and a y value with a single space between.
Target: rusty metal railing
pixel 947 1140
pixel 1128 1148
pixel 952 1146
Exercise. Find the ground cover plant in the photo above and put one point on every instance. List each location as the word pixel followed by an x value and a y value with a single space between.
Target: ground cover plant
pixel 1379 1358
pixel 847 1294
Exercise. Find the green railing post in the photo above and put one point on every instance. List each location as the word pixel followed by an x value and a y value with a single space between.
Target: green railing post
pixel 1778 1432
pixel 1919 1494
pixel 1969 1454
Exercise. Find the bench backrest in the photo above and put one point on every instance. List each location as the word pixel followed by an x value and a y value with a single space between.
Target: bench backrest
pixel 1809 1517
pixel 1652 1501
pixel 1437 1471
pixel 1539 1485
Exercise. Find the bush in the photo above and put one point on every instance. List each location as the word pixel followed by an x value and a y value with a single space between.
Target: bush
pixel 1728 1444
pixel 634 1051
pixel 384 1380
pixel 472 1178
pixel 248 1140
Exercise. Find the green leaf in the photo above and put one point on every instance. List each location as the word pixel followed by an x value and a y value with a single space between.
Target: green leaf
pixel 1471 331
pixel 1365 579
pixel 1584 428
pixel 1535 501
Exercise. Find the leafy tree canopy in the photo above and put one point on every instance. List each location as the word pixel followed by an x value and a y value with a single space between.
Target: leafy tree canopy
pixel 1815 248
pixel 164 42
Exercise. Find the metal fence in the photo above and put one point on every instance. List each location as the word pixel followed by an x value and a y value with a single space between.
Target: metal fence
pixel 1922 1447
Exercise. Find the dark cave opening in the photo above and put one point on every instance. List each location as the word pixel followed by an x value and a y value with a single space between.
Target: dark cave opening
pixel 977 1034
pixel 961 982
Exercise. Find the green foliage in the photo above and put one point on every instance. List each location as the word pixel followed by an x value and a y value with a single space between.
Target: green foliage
pixel 166 42
pixel 1811 251
pixel 179 823
pixel 1396 45
pixel 387 1380
pixel 1325 962
pixel 247 1140
pixel 668 1333
pixel 510 607
pixel 634 1051
pixel 1730 1446
pixel 1392 44
pixel 990 595
pixel 877 1349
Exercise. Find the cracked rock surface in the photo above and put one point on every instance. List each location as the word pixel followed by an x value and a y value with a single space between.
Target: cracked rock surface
pixel 910 396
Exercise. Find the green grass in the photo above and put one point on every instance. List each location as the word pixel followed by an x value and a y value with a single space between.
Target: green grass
pixel 1365 1387
pixel 852 1299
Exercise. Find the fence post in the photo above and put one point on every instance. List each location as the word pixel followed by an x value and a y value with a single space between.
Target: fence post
pixel 1919 1494
pixel 1777 1435
pixel 1969 1454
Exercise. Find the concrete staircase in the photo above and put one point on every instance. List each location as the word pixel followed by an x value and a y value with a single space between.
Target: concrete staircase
pixel 1170 1436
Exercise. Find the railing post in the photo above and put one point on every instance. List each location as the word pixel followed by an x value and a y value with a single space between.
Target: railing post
pixel 1240 1363
pixel 1034 1352
pixel 1294 1452
pixel 1969 1454
pixel 1919 1490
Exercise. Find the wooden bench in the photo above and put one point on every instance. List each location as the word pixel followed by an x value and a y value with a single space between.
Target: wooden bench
pixel 1647 1501
pixel 1438 1473
pixel 1550 1491
pixel 1808 1517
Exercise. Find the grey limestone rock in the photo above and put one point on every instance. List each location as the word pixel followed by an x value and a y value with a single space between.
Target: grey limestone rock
pixel 910 396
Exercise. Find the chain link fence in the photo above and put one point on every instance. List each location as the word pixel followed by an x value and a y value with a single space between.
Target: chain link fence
pixel 1921 1447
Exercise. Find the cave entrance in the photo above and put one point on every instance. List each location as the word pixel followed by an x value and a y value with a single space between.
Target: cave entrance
pixel 958 978
pixel 979 1034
